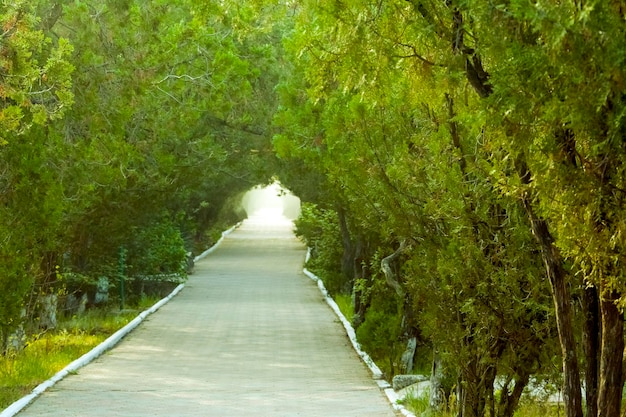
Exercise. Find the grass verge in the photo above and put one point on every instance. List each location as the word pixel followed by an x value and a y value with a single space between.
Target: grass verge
pixel 48 353
pixel 344 302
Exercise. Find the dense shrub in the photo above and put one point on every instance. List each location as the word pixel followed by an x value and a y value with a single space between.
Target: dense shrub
pixel 319 229
pixel 157 250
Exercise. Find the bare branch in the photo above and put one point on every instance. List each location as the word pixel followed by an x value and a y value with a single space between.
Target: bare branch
pixel 184 76
pixel 169 95
pixel 390 276
pixel 47 90
pixel 416 55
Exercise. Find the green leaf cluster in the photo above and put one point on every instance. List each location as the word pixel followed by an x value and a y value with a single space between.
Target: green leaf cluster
pixel 35 71
pixel 451 130
pixel 126 124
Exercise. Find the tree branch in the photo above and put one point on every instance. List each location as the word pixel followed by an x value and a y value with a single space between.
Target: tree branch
pixel 416 55
pixel 390 275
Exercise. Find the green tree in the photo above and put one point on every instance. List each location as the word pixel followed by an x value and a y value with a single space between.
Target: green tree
pixel 170 123
pixel 35 89
pixel 35 71
pixel 558 108
pixel 174 126
pixel 403 140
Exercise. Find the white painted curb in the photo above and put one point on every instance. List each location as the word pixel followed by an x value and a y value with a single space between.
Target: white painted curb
pixel 375 370
pixel 377 374
pixel 108 344
pixel 212 248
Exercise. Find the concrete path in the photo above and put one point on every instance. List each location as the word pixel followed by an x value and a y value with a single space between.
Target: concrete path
pixel 249 335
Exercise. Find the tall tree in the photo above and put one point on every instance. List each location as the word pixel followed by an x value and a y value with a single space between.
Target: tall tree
pixel 393 141
pixel 35 89
pixel 561 100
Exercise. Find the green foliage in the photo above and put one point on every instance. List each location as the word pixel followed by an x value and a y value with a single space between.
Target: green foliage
pixel 105 123
pixel 420 405
pixel 157 249
pixel 381 104
pixel 344 302
pixel 573 156
pixel 41 360
pixel 14 287
pixel 380 336
pixel 36 82
pixel 319 229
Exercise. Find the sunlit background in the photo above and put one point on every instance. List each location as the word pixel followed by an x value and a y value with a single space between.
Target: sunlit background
pixel 271 205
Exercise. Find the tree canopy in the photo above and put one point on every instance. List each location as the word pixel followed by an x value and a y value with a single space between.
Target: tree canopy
pixel 462 165
pixel 125 125
pixel 472 151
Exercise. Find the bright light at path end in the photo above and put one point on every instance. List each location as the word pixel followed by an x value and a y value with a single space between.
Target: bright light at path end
pixel 271 205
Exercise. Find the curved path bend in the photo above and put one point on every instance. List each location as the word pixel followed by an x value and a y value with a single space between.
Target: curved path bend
pixel 249 335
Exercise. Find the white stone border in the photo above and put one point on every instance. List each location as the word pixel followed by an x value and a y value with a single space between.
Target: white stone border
pixel 377 374
pixel 212 248
pixel 108 344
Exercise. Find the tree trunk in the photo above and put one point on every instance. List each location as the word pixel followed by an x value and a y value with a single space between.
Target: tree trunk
pixel 572 396
pixel 437 398
pixel 347 260
pixel 408 357
pixel 509 402
pixel 359 306
pixel 611 383
pixel 49 262
pixel 48 311
pixel 591 345
pixel 390 275
pixel 361 272
pixel 478 382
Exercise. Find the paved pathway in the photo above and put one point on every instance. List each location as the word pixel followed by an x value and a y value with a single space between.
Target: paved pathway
pixel 249 335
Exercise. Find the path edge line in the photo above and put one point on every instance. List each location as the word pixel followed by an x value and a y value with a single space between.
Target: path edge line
pixel 214 247
pixel 377 374
pixel 106 345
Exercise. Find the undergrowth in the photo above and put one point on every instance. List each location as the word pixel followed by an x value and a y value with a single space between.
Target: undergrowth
pixel 47 353
pixel 528 408
pixel 419 405
pixel 344 302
